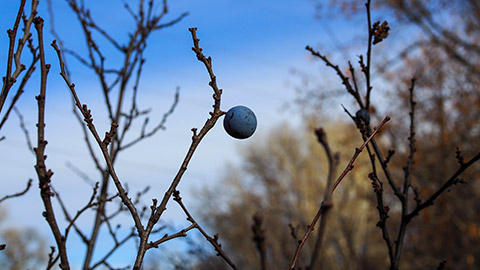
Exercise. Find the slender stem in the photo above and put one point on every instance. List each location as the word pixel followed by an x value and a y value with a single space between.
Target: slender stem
pixel 369 53
pixel 332 166
pixel 325 205
pixel 8 81
pixel 406 184
pixel 196 139
pixel 45 175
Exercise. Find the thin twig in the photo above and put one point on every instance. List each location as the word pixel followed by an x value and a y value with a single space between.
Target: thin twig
pixel 9 79
pixel 406 184
pixel 45 175
pixel 213 241
pixel 448 183
pixel 366 70
pixel 332 160
pixel 196 139
pixel 25 130
pixel 29 184
pixel 89 120
pixel 166 237
pixel 325 205
pixel 345 80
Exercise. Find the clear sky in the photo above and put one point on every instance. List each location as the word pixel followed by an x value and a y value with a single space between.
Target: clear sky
pixel 254 45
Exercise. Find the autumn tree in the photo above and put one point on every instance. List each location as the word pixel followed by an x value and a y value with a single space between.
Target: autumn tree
pixel 443 57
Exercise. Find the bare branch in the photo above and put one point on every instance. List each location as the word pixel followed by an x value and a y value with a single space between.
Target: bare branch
pixel 29 184
pixel 45 175
pixel 325 205
pixel 89 120
pixel 25 130
pixel 213 241
pixel 196 139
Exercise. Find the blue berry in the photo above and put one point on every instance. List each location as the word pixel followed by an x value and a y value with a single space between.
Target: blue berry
pixel 362 115
pixel 240 122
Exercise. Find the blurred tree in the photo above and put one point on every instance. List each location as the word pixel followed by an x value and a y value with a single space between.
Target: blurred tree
pixel 443 53
pixel 25 248
pixel 282 179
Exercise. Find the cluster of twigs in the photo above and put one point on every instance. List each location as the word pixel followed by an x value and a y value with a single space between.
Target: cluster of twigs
pixel 114 141
pixel 145 222
pixel 377 32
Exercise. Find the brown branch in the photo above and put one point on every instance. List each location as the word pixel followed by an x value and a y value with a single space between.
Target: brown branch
pixel 9 79
pixel 29 184
pixel 117 245
pixel 213 241
pixel 20 90
pixel 332 160
pixel 325 205
pixel 89 120
pixel 406 184
pixel 166 237
pixel 382 209
pixel 366 69
pixel 45 175
pixel 196 139
pixel 159 126
pixel 345 80
pixel 25 130
pixel 452 180
pixel 68 217
pixel 52 260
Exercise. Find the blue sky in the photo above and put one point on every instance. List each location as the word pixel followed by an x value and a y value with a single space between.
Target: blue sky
pixel 254 45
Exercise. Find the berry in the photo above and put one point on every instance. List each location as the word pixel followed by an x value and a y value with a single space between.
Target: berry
pixel 362 116
pixel 240 122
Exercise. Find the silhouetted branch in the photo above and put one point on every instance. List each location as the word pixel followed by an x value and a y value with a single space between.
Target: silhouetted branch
pixel 44 175
pixel 196 139
pixel 159 126
pixel 25 130
pixel 29 184
pixel 166 237
pixel 325 205
pixel 332 160
pixel 406 183
pixel 213 241
pixel 89 121
pixel 345 80
pixel 452 180
pixel 10 78
pixel 20 90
